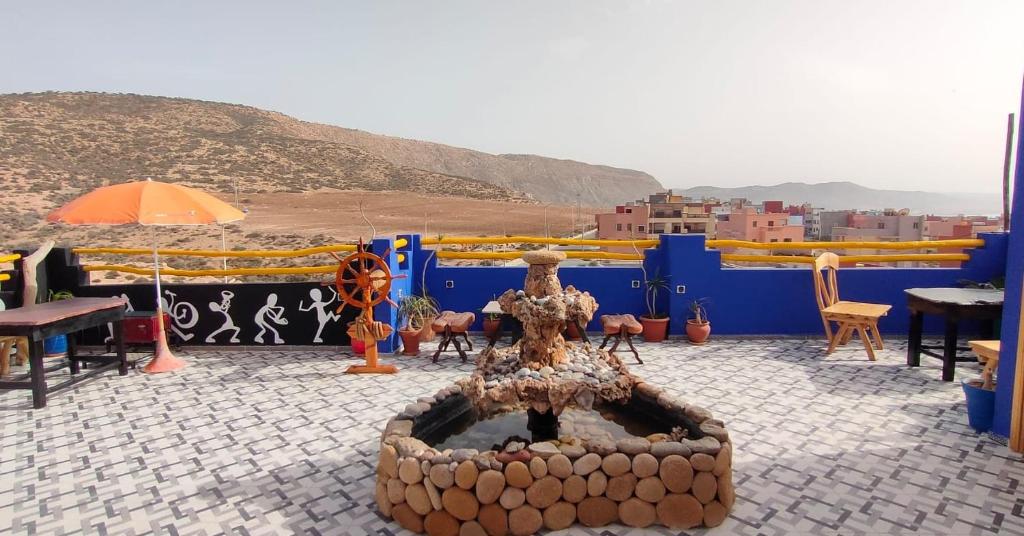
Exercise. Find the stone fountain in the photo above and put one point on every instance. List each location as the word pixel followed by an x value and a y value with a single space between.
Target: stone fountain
pixel 604 446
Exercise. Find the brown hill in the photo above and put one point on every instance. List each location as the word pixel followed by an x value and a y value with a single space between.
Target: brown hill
pixel 545 179
pixel 67 142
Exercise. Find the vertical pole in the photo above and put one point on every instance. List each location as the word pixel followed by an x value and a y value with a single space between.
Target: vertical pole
pixel 1006 172
pixel 163 360
pixel 224 248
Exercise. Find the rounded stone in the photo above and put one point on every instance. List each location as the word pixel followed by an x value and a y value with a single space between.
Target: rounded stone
pixel 472 528
pixel 597 482
pixel 380 495
pixel 633 445
pixel 572 451
pixel 494 519
pixel 645 465
pixel 435 496
pixel 441 523
pixel 544 450
pixel 512 498
pixel 668 448
pixel 489 486
pixel 680 511
pixel 409 471
pixel 726 491
pixel 723 460
pixel 559 465
pixel 525 520
pixel 615 464
pixel 543 256
pixel 538 467
pixel 574 489
pixel 442 476
pixel 517 475
pixel 560 515
pixel 702 462
pixel 637 513
pixel 597 511
pixel 466 474
pixel 460 503
pixel 676 473
pixel 389 461
pixel 586 464
pixel 714 514
pixel 407 518
pixel 417 499
pixel 396 491
pixel 650 489
pixel 705 486
pixel 602 447
pixel 544 492
pixel 621 487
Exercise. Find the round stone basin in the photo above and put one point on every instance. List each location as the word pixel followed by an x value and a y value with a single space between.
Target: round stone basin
pixel 607 422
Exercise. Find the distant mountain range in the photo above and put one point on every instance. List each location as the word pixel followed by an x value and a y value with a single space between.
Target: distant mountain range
pixel 56 141
pixel 848 195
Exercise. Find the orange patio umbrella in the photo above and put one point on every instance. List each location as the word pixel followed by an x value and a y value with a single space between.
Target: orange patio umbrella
pixel 148 203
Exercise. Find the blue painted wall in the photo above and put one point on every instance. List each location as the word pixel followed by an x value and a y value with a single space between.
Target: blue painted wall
pixel 1005 380
pixel 747 301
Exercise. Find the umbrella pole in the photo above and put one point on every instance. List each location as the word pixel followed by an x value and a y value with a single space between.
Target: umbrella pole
pixel 163 360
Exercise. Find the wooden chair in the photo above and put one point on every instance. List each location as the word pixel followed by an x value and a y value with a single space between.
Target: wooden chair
pixel 849 317
pixel 622 328
pixel 451 325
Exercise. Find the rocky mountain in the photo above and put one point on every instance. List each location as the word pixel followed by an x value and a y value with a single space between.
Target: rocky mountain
pixel 848 195
pixel 78 140
pixel 546 179
pixel 67 142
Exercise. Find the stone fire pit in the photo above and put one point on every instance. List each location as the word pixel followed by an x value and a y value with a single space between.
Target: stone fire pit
pixel 600 472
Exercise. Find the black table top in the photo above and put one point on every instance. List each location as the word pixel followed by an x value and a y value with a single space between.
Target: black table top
pixel 958 296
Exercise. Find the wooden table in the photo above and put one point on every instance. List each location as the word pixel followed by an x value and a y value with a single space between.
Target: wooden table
pixel 37 322
pixel 953 304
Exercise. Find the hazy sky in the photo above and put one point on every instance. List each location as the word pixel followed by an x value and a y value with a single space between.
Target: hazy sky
pixel 892 94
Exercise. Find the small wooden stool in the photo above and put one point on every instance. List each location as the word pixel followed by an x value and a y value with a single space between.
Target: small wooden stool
pixel 988 353
pixel 6 344
pixel 623 327
pixel 451 325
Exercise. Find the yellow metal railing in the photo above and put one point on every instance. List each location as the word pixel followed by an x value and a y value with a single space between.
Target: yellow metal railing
pixel 803 259
pixel 330 269
pixel 9 258
pixel 919 244
pixel 477 240
pixel 5 277
pixel 510 255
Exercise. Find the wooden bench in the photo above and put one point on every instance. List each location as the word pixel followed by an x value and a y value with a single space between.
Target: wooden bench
pixel 451 325
pixel 622 327
pixel 988 354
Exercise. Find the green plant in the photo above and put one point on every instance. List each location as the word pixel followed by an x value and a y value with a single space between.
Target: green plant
pixel 700 313
pixel 653 285
pixel 416 310
pixel 59 295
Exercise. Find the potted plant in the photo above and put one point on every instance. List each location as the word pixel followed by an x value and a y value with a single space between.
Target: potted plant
pixel 418 313
pixel 698 328
pixel 492 321
pixel 57 345
pixel 655 323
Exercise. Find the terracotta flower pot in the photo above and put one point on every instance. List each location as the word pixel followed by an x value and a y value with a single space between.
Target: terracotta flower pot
pixel 491 326
pixel 571 332
pixel 410 341
pixel 655 329
pixel 698 332
pixel 426 332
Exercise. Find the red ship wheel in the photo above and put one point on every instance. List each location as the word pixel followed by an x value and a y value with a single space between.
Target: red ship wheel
pixel 365 274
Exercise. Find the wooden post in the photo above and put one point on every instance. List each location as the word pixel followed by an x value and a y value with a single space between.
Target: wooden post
pixel 1017 405
pixel 1006 172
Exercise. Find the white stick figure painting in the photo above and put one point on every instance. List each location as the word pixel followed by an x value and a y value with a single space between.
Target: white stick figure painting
pixel 324 313
pixel 183 315
pixel 272 312
pixel 229 324
pixel 110 325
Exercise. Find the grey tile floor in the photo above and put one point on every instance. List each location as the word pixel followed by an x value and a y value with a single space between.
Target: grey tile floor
pixel 280 441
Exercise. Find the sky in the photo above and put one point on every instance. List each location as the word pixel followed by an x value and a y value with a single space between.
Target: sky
pixel 889 94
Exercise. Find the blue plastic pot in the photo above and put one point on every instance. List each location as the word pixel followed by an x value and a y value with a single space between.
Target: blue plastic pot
pixel 56 345
pixel 981 405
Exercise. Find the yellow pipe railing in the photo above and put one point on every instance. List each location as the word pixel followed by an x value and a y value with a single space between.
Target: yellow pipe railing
pixel 5 277
pixel 296 270
pixel 509 255
pixel 474 240
pixel 9 258
pixel 271 253
pixel 800 259
pixel 919 244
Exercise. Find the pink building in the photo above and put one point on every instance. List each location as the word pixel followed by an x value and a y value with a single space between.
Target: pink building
pixel 889 226
pixel 627 222
pixel 747 224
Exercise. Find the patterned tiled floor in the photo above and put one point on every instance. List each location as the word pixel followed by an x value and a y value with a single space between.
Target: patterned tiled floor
pixel 280 442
